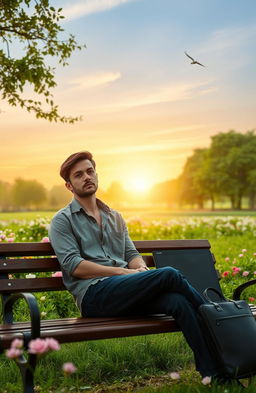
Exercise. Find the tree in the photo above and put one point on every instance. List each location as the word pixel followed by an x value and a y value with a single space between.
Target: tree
pixel 166 192
pixel 4 195
pixel 192 179
pixel 115 193
pixel 233 160
pixel 59 196
pixel 28 193
pixel 34 25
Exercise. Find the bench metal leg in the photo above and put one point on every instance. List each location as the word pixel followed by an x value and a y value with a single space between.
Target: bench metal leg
pixel 27 369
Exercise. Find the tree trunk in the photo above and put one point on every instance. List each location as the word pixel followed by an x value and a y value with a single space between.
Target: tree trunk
pixel 252 201
pixel 212 203
pixel 233 203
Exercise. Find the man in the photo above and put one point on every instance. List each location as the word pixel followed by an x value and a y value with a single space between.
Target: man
pixel 104 271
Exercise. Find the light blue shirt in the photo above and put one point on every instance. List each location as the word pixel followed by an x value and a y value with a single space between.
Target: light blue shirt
pixel 76 236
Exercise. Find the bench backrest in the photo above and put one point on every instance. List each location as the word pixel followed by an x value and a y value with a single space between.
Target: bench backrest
pixel 17 258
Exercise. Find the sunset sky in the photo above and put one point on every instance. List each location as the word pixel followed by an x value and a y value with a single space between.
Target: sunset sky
pixel 144 106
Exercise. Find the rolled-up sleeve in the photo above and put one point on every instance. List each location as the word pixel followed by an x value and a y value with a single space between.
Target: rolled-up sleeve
pixel 65 243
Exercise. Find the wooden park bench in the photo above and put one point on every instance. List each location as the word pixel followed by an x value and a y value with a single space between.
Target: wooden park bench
pixel 192 257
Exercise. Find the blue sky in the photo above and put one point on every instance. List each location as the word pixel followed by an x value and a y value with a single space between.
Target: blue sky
pixel 144 106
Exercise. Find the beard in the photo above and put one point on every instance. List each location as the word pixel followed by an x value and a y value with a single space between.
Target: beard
pixel 83 193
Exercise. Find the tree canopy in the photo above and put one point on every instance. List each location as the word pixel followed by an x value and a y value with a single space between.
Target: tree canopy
pixel 34 25
pixel 227 168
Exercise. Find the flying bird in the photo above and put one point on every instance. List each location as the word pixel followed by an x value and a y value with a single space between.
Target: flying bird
pixel 193 60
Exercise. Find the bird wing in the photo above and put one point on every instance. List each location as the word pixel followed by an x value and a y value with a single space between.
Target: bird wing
pixel 189 56
pixel 200 64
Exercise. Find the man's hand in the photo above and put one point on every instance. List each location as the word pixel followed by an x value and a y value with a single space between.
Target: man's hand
pixel 122 270
pixel 137 263
pixel 142 268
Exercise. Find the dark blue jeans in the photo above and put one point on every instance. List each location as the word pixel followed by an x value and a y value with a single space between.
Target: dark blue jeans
pixel 159 291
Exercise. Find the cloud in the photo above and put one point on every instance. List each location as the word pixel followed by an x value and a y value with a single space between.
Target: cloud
pixel 87 7
pixel 158 95
pixel 228 39
pixel 95 80
pixel 173 145
pixel 174 130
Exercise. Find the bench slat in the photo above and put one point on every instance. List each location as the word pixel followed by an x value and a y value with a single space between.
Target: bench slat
pixel 29 265
pixel 39 249
pixel 42 264
pixel 155 245
pixel 32 285
pixel 79 329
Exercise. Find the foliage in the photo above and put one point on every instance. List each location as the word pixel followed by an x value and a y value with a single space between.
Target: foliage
pixel 28 193
pixel 34 26
pixel 226 169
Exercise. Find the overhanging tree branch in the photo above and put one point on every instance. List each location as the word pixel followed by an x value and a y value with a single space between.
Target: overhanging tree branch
pixel 39 32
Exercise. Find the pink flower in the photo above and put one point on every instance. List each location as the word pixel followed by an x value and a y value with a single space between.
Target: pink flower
pixel 236 269
pixel 13 353
pixel 241 255
pixel 57 274
pixel 227 259
pixel 10 239
pixel 206 380
pixel 244 250
pixel 38 346
pixel 69 368
pixel 174 375
pixel 254 254
pixel 245 273
pixel 254 273
pixel 53 344
pixel 225 274
pixel 17 343
pixel 45 240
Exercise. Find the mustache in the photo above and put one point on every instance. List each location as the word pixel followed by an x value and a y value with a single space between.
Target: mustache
pixel 88 183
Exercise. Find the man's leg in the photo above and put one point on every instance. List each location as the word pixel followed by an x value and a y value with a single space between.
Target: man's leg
pixel 120 295
pixel 186 316
pixel 157 291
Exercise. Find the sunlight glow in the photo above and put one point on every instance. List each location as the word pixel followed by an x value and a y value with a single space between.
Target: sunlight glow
pixel 139 184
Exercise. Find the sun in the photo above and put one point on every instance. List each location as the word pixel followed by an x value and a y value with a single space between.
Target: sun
pixel 139 184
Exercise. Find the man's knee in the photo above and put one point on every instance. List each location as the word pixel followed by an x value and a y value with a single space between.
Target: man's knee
pixel 170 272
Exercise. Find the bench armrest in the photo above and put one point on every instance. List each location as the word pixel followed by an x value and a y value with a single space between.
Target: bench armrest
pixel 33 310
pixel 237 292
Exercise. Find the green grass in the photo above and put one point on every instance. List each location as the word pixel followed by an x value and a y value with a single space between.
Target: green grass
pixel 25 215
pixel 145 213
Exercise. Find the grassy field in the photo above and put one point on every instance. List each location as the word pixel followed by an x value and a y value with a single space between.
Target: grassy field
pixel 146 213
pixel 136 364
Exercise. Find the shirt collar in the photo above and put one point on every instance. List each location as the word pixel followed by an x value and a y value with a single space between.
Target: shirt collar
pixel 76 207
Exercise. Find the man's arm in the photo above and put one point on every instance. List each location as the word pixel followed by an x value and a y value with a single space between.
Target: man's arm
pixel 88 269
pixel 137 263
pixel 68 252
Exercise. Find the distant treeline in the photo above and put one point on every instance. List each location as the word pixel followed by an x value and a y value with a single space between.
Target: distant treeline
pixel 224 171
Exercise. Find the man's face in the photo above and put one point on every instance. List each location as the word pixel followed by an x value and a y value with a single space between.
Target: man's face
pixel 83 180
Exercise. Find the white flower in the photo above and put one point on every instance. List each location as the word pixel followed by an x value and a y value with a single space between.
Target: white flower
pixel 174 375
pixel 206 380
